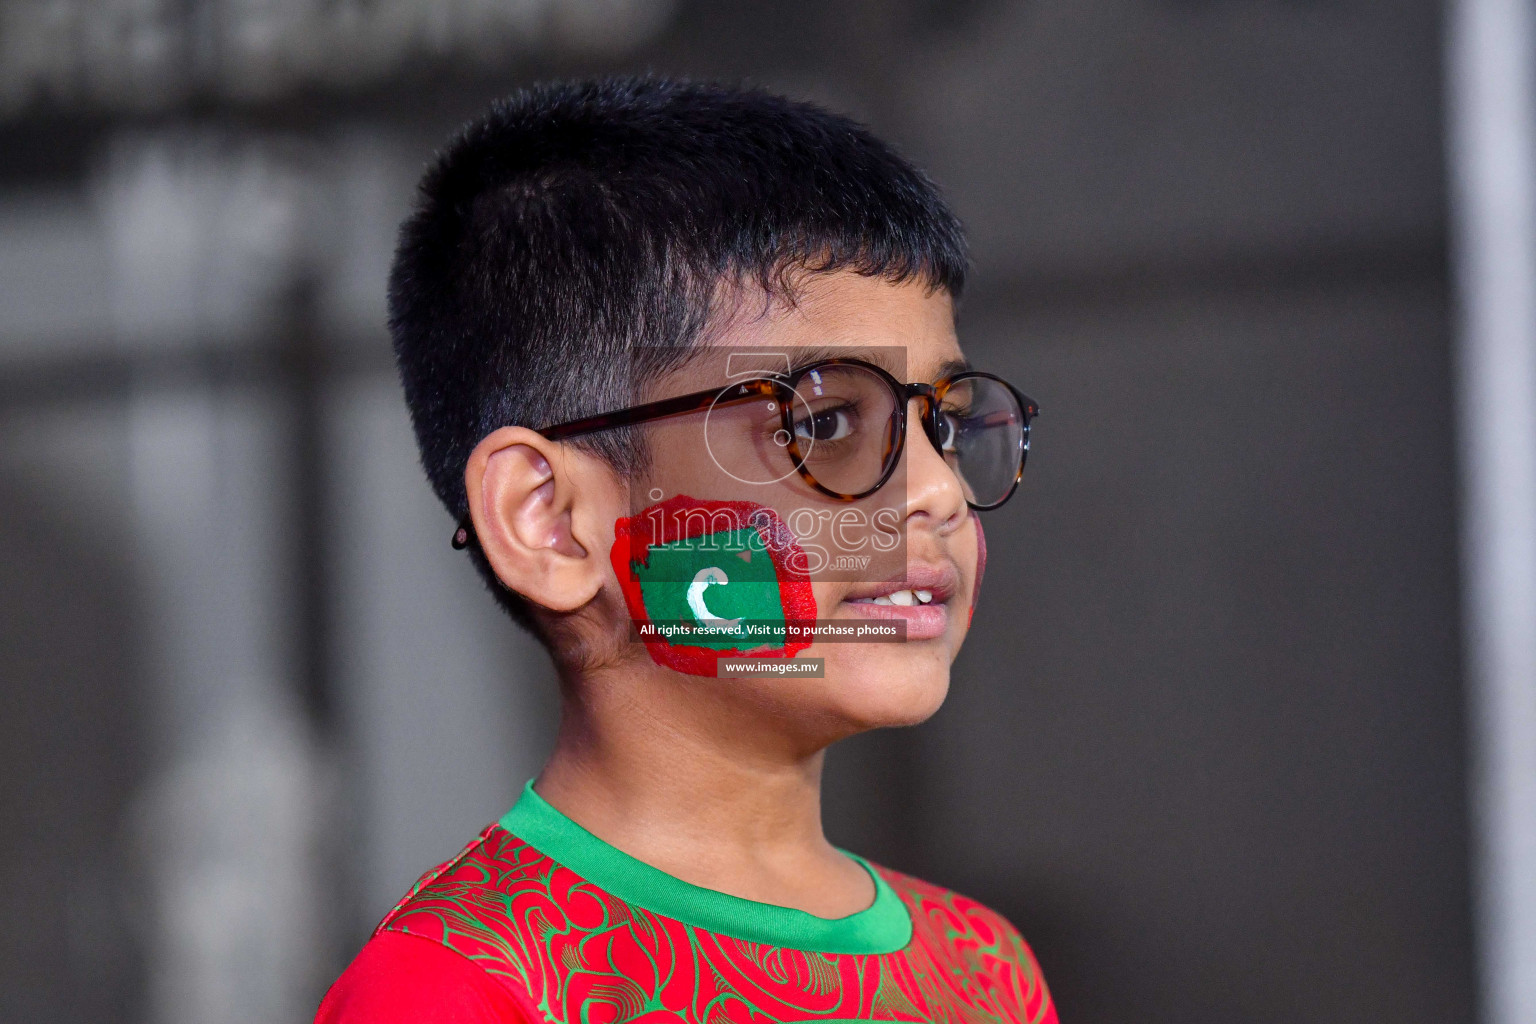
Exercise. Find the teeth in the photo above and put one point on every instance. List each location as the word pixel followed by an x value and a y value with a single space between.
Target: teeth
pixel 903 598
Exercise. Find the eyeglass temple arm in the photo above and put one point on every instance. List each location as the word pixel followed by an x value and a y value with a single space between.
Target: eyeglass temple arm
pixel 728 395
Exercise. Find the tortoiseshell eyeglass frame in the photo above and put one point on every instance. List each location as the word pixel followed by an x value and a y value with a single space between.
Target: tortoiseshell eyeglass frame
pixel 782 391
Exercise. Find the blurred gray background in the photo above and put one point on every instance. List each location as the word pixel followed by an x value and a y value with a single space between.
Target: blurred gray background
pixel 1209 745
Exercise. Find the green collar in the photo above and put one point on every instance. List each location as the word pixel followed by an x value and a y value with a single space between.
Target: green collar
pixel 883 927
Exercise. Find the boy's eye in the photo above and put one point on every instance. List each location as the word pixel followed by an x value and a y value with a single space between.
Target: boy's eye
pixel 832 424
pixel 949 430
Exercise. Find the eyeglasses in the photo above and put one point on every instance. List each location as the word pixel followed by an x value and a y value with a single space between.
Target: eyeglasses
pixel 842 423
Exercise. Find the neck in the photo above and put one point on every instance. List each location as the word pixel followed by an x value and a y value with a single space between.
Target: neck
pixel 676 774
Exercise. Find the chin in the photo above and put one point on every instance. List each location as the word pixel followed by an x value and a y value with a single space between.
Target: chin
pixel 875 686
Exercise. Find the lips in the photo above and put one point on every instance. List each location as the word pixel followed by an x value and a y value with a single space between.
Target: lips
pixel 920 598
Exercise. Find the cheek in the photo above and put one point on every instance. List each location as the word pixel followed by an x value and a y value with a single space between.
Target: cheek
pixel 705 580
pixel 981 562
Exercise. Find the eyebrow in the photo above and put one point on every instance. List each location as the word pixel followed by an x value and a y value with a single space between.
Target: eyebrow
pixel 806 356
pixel 950 367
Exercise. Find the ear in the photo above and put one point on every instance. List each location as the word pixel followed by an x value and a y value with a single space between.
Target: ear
pixel 543 514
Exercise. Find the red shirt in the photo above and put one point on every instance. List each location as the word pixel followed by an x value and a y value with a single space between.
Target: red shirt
pixel 539 921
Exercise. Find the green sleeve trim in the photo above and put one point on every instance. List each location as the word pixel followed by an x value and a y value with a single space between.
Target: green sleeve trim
pixel 882 927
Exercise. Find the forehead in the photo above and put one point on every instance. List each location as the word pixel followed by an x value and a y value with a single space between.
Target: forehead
pixel 846 310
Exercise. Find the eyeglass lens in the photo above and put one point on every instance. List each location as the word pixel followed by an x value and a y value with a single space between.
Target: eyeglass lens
pixel 982 435
pixel 845 418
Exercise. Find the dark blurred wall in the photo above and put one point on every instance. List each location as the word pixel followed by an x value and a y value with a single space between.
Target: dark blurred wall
pixel 72 749
pixel 1205 745
pixel 1206 742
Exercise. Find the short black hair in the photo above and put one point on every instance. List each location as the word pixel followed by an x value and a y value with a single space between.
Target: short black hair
pixel 566 238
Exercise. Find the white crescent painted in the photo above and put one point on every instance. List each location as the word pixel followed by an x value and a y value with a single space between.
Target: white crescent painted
pixel 701 582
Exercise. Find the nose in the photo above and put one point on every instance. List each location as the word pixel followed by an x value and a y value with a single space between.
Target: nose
pixel 935 497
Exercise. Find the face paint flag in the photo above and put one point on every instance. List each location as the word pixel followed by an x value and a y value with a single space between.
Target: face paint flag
pixel 710 579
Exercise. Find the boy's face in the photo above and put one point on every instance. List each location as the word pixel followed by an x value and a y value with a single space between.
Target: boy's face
pixel 906 556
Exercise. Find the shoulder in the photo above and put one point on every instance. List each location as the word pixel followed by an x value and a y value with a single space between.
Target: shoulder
pixel 436 958
pixel 400 978
pixel 962 936
pixel 476 903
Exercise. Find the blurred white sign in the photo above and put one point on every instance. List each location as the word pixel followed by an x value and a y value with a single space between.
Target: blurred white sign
pixel 149 54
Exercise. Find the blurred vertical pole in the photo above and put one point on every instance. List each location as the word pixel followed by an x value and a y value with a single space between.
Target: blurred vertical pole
pixel 230 829
pixel 303 353
pixel 1490 134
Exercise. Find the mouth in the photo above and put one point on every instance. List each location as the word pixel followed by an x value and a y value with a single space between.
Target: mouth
pixel 920 597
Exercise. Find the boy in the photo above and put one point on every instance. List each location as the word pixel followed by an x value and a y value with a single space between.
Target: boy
pixel 681 359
